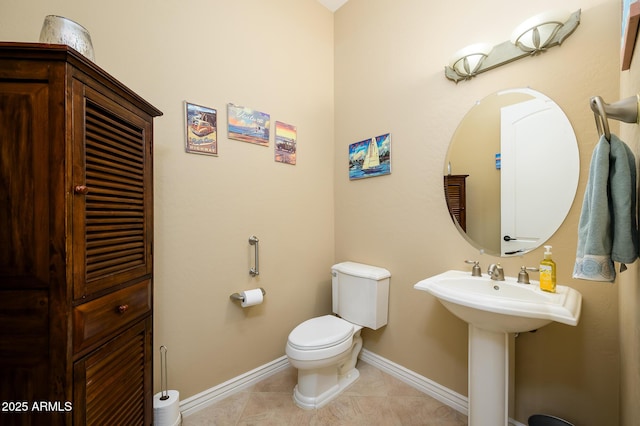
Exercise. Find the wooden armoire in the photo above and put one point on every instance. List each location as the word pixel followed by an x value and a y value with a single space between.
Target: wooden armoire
pixel 76 242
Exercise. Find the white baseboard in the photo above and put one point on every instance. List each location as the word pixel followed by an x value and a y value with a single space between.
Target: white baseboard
pixel 445 395
pixel 435 390
pixel 217 393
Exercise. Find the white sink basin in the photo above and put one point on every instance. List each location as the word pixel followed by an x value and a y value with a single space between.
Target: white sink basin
pixel 494 310
pixel 503 306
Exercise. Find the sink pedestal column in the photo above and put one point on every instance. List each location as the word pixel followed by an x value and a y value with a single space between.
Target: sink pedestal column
pixel 488 377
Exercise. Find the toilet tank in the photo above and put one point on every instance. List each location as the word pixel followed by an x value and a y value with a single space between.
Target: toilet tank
pixel 361 293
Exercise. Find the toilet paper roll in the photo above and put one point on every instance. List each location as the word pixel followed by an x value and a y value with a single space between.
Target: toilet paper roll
pixel 166 412
pixel 251 297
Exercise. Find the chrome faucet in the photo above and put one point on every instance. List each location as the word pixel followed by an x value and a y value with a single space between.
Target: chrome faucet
pixel 495 272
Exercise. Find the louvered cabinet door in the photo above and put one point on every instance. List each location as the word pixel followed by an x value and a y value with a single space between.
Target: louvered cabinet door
pixel 112 385
pixel 456 196
pixel 111 193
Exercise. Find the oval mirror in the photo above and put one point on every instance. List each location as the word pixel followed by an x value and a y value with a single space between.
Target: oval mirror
pixel 511 172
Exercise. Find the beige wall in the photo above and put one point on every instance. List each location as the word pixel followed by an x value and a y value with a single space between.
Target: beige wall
pixel 375 66
pixel 629 291
pixel 389 78
pixel 274 56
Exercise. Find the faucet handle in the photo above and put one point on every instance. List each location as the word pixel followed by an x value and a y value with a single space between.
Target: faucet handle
pixel 523 275
pixel 475 271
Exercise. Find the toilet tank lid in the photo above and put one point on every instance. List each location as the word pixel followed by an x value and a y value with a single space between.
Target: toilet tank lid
pixel 361 270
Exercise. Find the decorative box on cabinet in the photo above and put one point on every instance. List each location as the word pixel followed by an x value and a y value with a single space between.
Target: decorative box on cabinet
pixel 76 242
pixel 456 195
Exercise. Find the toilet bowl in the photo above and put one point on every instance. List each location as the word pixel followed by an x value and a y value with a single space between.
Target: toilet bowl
pixel 325 349
pixel 325 352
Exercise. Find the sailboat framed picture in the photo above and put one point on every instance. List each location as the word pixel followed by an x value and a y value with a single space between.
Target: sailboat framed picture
pixel 370 157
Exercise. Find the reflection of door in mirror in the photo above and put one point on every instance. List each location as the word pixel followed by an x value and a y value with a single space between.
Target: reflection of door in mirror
pixel 455 190
pixel 526 196
pixel 532 157
pixel 522 214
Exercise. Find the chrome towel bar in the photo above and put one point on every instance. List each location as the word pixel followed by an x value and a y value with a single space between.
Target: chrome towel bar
pixel 253 240
pixel 625 110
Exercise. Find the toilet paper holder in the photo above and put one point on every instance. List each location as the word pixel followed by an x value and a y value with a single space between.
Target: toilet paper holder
pixel 238 296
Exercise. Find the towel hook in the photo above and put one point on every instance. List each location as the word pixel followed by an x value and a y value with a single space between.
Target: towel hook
pixel 600 114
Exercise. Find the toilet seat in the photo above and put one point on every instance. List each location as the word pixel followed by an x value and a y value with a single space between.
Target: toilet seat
pixel 320 333
pixel 320 338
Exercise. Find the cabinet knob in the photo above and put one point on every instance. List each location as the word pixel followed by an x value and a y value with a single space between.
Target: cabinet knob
pixel 81 189
pixel 123 308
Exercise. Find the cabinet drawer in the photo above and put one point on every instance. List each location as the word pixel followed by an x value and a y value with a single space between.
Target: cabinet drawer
pixel 95 320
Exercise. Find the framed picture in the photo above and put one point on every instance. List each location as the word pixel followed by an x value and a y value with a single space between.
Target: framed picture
pixel 201 129
pixel 285 143
pixel 630 19
pixel 370 157
pixel 247 125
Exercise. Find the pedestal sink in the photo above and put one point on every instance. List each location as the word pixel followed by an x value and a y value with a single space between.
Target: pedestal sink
pixel 494 309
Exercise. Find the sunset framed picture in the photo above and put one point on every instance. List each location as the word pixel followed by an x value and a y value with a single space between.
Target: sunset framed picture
pixel 285 143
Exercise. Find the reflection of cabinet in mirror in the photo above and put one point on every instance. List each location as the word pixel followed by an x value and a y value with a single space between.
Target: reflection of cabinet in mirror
pixel 456 193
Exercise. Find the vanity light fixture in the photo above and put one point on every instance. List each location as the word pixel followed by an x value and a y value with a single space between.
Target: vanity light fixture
pixel 533 36
pixel 468 60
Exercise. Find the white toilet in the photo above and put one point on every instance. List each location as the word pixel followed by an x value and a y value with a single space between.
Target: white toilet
pixel 325 349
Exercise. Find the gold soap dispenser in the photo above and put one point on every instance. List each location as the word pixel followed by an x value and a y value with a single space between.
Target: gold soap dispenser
pixel 548 272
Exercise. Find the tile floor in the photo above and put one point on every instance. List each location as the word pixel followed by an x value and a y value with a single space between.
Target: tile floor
pixel 376 398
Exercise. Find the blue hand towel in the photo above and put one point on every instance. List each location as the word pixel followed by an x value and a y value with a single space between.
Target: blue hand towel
pixel 608 230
